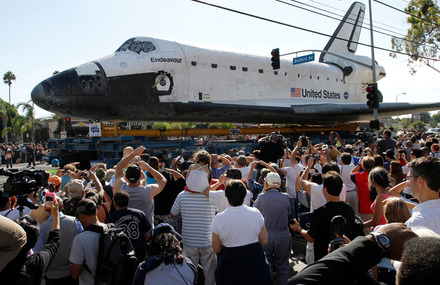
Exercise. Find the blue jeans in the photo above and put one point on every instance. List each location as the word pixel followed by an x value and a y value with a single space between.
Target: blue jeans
pixel 292 202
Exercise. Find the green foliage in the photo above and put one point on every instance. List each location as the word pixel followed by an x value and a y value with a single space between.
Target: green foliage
pixel 423 36
pixel 424 117
pixel 435 119
pixel 175 126
pixel 8 77
pixel 406 122
pixel 160 125
pixel 221 126
pixel 418 125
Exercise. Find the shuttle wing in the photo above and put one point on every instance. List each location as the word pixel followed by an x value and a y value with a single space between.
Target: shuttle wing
pixel 298 114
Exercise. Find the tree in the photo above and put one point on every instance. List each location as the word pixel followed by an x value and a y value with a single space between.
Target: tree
pixel 7 111
pixel 19 125
pixel 435 120
pixel 423 37
pixel 8 77
pixel 419 125
pixel 28 108
pixel 424 117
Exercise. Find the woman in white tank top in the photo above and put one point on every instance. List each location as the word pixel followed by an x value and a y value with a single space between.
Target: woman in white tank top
pixel 199 174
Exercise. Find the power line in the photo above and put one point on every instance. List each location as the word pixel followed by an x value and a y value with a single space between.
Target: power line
pixel 402 11
pixel 363 26
pixel 334 18
pixel 300 28
pixel 344 13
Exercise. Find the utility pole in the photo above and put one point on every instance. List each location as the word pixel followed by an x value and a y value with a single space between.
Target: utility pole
pixel 373 65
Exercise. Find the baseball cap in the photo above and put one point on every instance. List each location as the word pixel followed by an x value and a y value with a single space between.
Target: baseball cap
pixel 133 173
pixel 55 180
pixel 389 153
pixel 75 188
pixel 273 179
pixel 86 206
pixel 165 228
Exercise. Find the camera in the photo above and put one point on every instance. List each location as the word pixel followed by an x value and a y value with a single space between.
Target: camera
pixel 23 182
pixel 316 157
pixel 49 197
pixel 304 141
pixel 366 137
pixel 336 243
pixel 337 229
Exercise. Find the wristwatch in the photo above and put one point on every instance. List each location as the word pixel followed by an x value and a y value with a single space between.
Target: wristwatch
pixel 382 240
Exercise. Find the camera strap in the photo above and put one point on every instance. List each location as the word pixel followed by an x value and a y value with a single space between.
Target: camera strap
pixel 8 213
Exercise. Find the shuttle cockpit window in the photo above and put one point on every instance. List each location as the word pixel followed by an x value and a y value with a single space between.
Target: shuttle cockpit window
pixel 137 46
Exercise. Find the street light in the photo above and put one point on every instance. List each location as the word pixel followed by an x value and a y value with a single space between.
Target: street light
pixel 404 93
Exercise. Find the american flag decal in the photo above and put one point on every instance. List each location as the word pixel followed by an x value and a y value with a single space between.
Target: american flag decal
pixel 295 92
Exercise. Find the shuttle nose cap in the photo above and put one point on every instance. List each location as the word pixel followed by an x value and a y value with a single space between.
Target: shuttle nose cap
pixel 39 96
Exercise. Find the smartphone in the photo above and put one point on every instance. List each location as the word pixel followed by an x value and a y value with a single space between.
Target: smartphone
pixel 336 243
pixel 48 201
pixel 85 174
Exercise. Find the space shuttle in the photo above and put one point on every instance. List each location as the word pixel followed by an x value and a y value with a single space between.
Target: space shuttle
pixel 149 79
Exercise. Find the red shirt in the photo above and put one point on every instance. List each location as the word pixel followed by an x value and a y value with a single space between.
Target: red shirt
pixel 363 192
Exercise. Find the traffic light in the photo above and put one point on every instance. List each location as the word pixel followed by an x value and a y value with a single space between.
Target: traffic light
pixel 68 123
pixel 275 58
pixel 372 96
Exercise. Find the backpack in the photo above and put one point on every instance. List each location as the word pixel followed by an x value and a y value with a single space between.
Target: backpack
pixel 117 262
pixel 357 229
pixel 153 262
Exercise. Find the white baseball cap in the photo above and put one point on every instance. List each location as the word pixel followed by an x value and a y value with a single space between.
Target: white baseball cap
pixel 273 179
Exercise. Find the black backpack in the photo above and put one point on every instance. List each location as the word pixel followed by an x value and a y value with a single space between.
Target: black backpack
pixel 117 262
pixel 357 229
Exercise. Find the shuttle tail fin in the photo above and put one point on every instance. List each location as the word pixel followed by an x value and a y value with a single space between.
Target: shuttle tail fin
pixel 345 39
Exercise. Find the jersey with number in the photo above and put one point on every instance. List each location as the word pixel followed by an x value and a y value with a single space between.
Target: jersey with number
pixel 135 225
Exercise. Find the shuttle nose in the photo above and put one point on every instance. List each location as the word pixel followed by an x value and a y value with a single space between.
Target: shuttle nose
pixel 67 91
pixel 40 95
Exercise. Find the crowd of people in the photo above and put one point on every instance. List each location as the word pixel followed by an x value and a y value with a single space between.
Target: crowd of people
pixel 229 218
pixel 16 153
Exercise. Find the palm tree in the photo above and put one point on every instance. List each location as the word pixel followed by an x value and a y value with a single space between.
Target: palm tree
pixel 8 77
pixel 28 108
pixel 19 125
pixel 7 112
pixel 3 115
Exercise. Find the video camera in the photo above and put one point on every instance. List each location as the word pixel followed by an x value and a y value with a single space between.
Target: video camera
pixel 366 137
pixel 23 182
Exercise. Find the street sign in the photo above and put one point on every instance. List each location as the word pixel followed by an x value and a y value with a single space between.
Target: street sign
pixel 305 58
pixel 63 134
pixel 95 130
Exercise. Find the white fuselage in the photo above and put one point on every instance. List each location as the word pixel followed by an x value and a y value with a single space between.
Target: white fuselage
pixel 203 75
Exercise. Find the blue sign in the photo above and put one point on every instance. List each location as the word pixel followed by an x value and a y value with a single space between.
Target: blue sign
pixel 305 58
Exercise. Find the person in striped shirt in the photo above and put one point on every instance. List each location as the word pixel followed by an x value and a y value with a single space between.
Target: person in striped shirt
pixel 197 215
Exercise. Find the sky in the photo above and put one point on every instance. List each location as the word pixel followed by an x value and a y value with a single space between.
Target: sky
pixel 42 36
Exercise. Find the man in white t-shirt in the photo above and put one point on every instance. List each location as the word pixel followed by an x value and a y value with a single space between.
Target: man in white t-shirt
pixel 317 198
pixel 218 198
pixel 425 185
pixel 346 167
pixel 291 172
pixel 241 165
